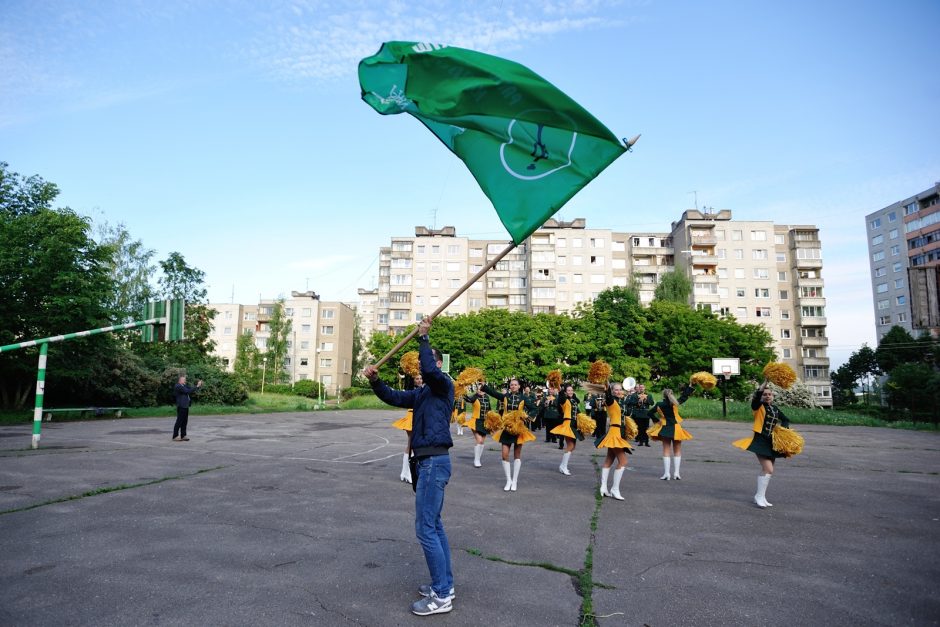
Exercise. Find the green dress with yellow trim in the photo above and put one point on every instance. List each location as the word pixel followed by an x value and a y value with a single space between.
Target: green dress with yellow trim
pixel 622 427
pixel 477 419
pixel 669 423
pixel 568 408
pixel 766 417
pixel 510 402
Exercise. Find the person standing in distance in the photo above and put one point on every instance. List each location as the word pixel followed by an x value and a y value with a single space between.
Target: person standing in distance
pixel 430 442
pixel 182 391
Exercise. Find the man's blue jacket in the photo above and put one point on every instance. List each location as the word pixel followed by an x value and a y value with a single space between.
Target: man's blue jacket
pixel 432 404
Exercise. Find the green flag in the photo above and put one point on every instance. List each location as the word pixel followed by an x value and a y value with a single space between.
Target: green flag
pixel 528 145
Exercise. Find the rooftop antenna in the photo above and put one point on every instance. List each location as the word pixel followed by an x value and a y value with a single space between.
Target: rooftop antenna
pixel 307 279
pixel 695 192
pixel 233 295
pixel 434 218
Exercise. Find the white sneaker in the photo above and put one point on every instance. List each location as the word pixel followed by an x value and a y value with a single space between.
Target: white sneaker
pixel 431 605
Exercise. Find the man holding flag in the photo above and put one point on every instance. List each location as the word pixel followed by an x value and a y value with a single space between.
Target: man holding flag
pixel 430 441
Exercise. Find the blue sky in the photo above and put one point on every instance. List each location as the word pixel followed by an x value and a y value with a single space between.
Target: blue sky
pixel 233 131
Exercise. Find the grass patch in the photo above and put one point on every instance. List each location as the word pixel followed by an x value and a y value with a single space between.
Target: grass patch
pixel 366 401
pixel 99 491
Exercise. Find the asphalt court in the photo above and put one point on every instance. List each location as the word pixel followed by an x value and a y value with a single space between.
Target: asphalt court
pixel 300 519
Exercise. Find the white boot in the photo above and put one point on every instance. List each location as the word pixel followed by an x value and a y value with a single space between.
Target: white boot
pixel 477 454
pixel 459 429
pixel 665 476
pixel 507 472
pixel 676 462
pixel 564 464
pixel 760 498
pixel 516 465
pixel 605 472
pixel 405 469
pixel 615 488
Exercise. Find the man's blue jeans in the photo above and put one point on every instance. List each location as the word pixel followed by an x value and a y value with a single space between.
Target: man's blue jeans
pixel 433 475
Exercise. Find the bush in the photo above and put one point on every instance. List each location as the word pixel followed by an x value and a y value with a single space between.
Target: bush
pixel 349 393
pixel 799 395
pixel 308 388
pixel 219 387
pixel 277 388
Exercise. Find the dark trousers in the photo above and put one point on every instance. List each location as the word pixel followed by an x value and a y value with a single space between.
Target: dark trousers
pixel 642 424
pixel 182 418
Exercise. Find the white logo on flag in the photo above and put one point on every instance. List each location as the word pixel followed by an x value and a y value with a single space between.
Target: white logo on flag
pixel 540 151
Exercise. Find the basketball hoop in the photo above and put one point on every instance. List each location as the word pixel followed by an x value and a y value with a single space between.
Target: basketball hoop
pixel 726 372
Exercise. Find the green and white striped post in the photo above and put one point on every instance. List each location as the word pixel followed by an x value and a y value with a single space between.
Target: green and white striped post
pixel 40 391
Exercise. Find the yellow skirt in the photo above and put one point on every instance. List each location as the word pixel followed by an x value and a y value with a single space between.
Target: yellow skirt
pixel 613 439
pixel 663 431
pixel 470 422
pixel 564 429
pixel 526 436
pixel 404 422
pixel 496 434
pixel 453 416
pixel 743 443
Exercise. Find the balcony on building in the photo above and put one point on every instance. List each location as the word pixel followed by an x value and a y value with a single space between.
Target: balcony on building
pixel 703 240
pixel 813 321
pixel 817 341
pixel 807 282
pixel 810 301
pixel 700 275
pixel 816 361
pixel 808 264
pixel 703 261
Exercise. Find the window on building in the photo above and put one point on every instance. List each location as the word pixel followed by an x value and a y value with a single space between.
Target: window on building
pixel 453 249
pixel 898 284
pixel 597 242
pixel 893 234
pixel 758 236
pixel 227 331
pixel 785 334
pixel 761 292
pixel 759 253
pixel 739 292
pixel 897 267
pixel 902 317
pixel 435 249
pixel 722 273
pixel 784 314
pixel 875 224
pixel 722 253
pixel 740 312
pixel 739 273
pixel 782 275
pixel 781 257
pixel 763 312
pixel 892 216
pixel 476 252
pixel 784 295
pixel 305 328
pixel 901 300
pixel 787 353
pixel 779 238
pixel 761 273
pixel 576 242
pixel 578 278
pixel 723 292
pixel 878 255
pixel 304 344
pixel 739 253
pixel 326 362
pixel 598 279
pixel 304 361
pixel 812 311
pixel 884 319
pixel 326 329
pixel 881 288
pixel 877 240
pixel 576 260
pixel 880 271
pixel 895 250
pixel 883 304
pixel 737 235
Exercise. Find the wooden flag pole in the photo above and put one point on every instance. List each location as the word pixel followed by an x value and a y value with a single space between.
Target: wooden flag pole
pixel 447 302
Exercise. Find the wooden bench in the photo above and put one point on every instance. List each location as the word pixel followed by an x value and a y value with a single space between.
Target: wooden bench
pixel 84 411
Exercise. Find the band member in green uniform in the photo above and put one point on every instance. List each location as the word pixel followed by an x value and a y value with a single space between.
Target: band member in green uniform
pixel 640 404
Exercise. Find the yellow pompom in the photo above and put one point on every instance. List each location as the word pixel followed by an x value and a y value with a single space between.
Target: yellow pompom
pixel 554 379
pixel 706 379
pixel 780 374
pixel 599 372
pixel 459 390
pixel 787 441
pixel 410 364
pixel 514 422
pixel 493 422
pixel 469 376
pixel 630 429
pixel 586 424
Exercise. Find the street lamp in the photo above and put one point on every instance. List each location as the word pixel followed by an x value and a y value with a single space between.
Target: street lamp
pixel 264 366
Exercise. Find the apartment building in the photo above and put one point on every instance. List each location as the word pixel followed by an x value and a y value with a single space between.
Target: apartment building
pixel 319 347
pixel 904 252
pixel 757 271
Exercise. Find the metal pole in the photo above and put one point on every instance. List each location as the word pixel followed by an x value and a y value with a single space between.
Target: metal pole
pixel 72 336
pixel 724 394
pixel 264 366
pixel 40 391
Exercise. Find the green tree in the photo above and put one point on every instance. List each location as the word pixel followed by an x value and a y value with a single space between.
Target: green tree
pixel 179 280
pixel 279 327
pixel 54 279
pixel 359 353
pixel 897 347
pixel 916 388
pixel 248 361
pixel 675 287
pixel 131 268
